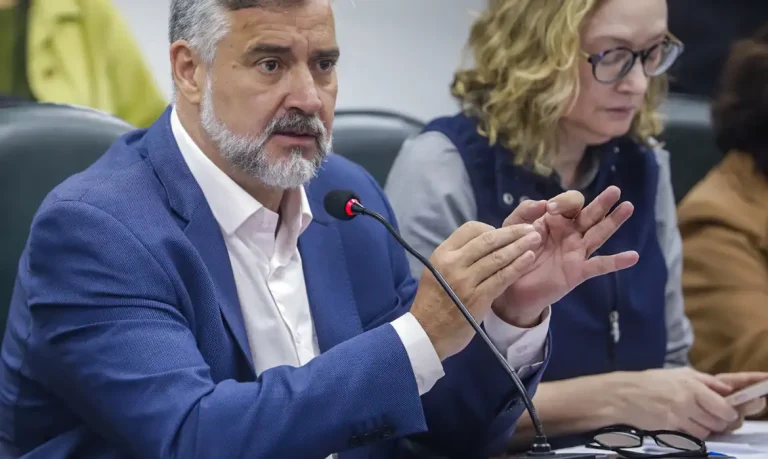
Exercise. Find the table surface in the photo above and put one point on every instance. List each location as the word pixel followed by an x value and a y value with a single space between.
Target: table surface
pixel 749 442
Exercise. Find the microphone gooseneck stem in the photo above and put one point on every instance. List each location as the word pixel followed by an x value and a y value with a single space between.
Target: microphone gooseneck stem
pixel 540 444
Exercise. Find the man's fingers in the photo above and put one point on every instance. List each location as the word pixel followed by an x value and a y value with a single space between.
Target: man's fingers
pixel 567 204
pixel 527 212
pixel 465 233
pixel 494 262
pixel 599 266
pixel 489 242
pixel 598 208
pixel 495 285
pixel 596 236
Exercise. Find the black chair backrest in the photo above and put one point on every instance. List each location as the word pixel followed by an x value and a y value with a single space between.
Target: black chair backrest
pixel 372 138
pixel 689 139
pixel 40 146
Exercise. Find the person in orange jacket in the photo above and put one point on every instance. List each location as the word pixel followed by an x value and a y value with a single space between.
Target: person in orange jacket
pixel 724 223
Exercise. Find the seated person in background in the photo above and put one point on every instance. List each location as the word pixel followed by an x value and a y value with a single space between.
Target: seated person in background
pixel 75 52
pixel 709 28
pixel 724 224
pixel 187 296
pixel 577 97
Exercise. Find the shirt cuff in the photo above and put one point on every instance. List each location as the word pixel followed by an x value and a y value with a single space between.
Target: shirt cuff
pixel 426 364
pixel 523 347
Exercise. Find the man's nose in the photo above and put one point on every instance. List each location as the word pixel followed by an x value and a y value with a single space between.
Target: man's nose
pixel 303 95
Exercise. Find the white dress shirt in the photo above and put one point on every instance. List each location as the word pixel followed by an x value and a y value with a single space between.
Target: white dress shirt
pixel 268 274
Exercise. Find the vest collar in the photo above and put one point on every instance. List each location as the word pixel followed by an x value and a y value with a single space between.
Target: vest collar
pixel 515 184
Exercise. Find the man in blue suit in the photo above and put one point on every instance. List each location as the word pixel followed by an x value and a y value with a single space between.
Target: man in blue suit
pixel 188 296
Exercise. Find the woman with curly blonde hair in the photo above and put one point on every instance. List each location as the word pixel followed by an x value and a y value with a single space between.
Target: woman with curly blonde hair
pixel 562 95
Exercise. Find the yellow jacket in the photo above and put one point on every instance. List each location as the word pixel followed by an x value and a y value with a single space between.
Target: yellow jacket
pixel 80 52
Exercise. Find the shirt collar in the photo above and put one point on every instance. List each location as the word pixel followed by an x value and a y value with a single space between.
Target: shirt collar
pixel 230 204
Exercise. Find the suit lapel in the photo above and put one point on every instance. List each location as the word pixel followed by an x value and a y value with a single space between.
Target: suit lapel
pixel 187 199
pixel 329 288
pixel 205 235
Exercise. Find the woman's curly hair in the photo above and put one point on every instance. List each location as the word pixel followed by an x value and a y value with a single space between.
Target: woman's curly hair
pixel 525 76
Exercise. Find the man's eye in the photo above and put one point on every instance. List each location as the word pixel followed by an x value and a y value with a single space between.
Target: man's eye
pixel 269 66
pixel 326 65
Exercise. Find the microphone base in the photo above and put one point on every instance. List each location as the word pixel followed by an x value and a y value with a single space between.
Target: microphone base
pixel 554 455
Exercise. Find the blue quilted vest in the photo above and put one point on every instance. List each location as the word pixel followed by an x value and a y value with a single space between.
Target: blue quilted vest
pixel 609 323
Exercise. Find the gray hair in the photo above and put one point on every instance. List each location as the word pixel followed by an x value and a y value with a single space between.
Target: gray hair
pixel 203 23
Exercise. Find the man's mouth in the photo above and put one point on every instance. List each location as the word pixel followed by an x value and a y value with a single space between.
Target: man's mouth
pixel 295 137
pixel 296 133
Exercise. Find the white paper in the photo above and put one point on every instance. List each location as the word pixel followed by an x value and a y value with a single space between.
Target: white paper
pixel 732 449
pixel 752 433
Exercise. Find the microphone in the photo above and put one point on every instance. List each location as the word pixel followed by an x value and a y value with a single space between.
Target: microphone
pixel 345 205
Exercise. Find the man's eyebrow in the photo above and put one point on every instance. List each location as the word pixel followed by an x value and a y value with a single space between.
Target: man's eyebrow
pixel 332 53
pixel 266 48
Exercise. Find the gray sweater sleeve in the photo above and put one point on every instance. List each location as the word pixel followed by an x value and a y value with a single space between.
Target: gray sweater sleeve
pixel 430 192
pixel 679 332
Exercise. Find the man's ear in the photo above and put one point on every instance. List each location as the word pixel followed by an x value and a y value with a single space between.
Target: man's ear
pixel 188 71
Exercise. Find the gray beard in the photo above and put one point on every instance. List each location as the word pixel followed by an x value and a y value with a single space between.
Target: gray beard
pixel 249 155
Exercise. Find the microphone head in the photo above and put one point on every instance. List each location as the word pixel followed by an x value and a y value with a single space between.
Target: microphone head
pixel 337 204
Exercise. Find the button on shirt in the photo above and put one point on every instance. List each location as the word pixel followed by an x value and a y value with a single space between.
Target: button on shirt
pixel 267 268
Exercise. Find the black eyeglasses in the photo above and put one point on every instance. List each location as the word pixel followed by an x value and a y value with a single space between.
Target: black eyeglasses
pixel 620 438
pixel 613 65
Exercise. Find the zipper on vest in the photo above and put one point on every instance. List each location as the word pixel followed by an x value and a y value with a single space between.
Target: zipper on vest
pixel 613 337
pixel 614 324
pixel 613 318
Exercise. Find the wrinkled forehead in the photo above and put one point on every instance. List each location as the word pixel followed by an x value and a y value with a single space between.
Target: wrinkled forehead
pixel 303 26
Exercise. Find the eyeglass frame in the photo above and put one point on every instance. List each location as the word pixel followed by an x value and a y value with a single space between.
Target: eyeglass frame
pixel 595 58
pixel 702 452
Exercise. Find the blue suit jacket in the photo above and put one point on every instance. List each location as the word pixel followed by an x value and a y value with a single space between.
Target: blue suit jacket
pixel 125 336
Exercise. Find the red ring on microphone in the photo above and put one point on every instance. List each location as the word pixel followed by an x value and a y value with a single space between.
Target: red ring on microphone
pixel 348 207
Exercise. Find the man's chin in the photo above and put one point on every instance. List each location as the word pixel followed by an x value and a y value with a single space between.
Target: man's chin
pixel 281 155
pixel 287 172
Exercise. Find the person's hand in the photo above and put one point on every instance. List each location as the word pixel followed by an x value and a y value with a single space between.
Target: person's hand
pixel 679 399
pixel 570 233
pixel 478 262
pixel 738 381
